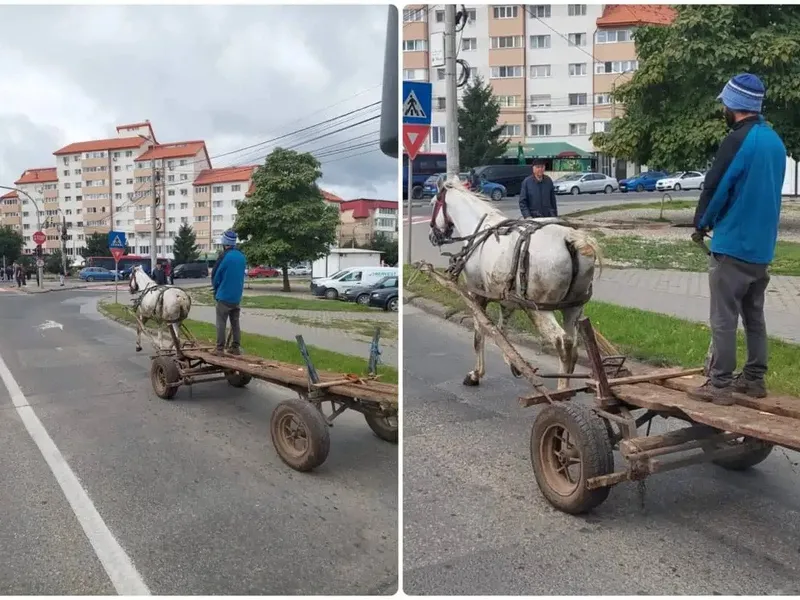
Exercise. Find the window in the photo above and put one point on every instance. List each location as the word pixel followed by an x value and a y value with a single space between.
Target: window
pixel 601 99
pixel 201 204
pixel 539 42
pixel 614 36
pixel 540 100
pixel 507 101
pixel 439 103
pixel 184 177
pixel 129 153
pixel 129 181
pixel 65 160
pixel 577 69
pixel 540 71
pixel 576 10
pixel 507 41
pixel 117 168
pixel 601 126
pixel 170 192
pixel 540 11
pixel 415 74
pixel 615 66
pixel 203 189
pixel 440 74
pixel 506 12
pixel 182 162
pixel 218 203
pixel 184 205
pixel 117 196
pixel 577 39
pixel 414 15
pixel 415 45
pixel 439 15
pixel 472 16
pixel 118 182
pixel 540 130
pixel 184 192
pixel 577 99
pixel 506 72
pixel 77 171
pixel 67 185
pixel 236 187
pixel 67 198
pixel 217 189
pixel 217 218
pixel 577 128
pixel 438 135
pixel 469 44
pixel 66 172
pixel 511 130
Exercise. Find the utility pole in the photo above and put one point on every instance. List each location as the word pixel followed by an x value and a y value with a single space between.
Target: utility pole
pixel 451 91
pixel 153 230
pixel 64 243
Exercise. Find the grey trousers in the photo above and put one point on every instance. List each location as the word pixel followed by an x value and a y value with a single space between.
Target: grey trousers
pixel 737 288
pixel 227 311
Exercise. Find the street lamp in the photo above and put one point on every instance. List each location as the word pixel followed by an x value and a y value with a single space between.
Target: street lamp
pixel 63 236
pixel 38 222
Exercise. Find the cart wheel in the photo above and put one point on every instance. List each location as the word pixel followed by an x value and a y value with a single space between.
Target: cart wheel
pixel 759 453
pixel 384 427
pixel 300 434
pixel 164 374
pixel 569 445
pixel 237 379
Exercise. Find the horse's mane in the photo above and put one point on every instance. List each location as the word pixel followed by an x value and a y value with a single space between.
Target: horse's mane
pixel 483 201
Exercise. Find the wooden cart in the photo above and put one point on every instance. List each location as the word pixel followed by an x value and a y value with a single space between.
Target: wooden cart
pixel 572 444
pixel 299 428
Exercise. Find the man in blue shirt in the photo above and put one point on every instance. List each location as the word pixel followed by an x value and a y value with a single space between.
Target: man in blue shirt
pixel 741 204
pixel 228 283
pixel 537 195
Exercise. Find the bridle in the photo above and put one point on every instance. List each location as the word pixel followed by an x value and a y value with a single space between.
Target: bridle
pixel 437 236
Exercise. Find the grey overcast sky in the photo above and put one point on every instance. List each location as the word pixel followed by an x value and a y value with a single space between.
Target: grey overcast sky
pixel 230 75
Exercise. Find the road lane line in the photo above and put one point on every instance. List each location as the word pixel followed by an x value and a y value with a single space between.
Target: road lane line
pixel 117 564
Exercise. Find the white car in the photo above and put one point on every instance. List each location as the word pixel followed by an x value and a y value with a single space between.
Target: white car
pixel 586 183
pixel 299 271
pixel 683 180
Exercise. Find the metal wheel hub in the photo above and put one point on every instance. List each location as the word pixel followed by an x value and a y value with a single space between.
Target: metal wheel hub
pixel 561 460
pixel 294 435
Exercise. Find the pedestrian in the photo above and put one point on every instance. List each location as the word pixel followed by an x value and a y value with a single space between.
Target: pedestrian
pixel 741 204
pixel 228 285
pixel 159 276
pixel 537 196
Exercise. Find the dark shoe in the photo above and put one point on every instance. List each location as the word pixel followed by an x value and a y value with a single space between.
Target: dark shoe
pixel 755 388
pixel 218 352
pixel 235 351
pixel 708 392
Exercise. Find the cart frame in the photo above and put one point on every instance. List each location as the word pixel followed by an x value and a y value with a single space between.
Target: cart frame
pixel 567 434
pixel 296 420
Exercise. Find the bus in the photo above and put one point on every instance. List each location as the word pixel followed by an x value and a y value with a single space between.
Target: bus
pixel 126 263
pixel 425 164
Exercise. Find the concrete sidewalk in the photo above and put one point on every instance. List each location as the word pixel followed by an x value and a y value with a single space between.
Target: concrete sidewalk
pixel 686 295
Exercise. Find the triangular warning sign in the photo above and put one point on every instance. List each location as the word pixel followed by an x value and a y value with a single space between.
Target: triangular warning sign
pixel 117 243
pixel 413 138
pixel 412 107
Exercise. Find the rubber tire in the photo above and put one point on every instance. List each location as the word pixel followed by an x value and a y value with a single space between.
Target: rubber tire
pixel 380 427
pixel 497 195
pixel 237 379
pixel 331 294
pixel 575 191
pixel 363 299
pixel 416 192
pixel 391 302
pixel 591 434
pixel 677 187
pixel 608 189
pixel 90 279
pixel 746 461
pixel 702 185
pixel 171 374
pixel 319 437
pixel 640 188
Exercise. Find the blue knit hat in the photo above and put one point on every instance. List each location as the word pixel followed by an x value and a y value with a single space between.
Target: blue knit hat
pixel 744 92
pixel 228 238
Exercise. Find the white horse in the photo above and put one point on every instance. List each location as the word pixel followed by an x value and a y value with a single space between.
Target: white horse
pixel 164 304
pixel 555 273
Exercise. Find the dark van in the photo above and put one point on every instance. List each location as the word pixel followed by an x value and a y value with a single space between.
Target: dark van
pixel 509 176
pixel 195 270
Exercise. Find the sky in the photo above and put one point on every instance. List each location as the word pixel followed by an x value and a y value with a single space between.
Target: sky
pixel 233 76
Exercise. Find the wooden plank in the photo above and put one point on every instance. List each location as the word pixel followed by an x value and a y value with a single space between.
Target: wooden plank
pixel 654 376
pixel 785 406
pixel 776 429
pixel 554 395
pixel 671 438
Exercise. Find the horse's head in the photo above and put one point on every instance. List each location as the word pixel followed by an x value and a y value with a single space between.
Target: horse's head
pixel 133 284
pixel 442 225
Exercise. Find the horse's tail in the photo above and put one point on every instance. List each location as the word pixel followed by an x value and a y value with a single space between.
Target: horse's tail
pixel 586 245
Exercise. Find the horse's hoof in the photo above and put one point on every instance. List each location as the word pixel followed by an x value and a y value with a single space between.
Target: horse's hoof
pixel 139 349
pixel 468 380
pixel 515 372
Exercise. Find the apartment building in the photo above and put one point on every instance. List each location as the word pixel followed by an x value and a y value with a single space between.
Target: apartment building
pixel 41 185
pixel 10 211
pixel 362 218
pixel 543 61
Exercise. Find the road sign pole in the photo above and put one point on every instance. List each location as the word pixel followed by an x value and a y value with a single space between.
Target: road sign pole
pixel 408 210
pixel 451 91
pixel 116 281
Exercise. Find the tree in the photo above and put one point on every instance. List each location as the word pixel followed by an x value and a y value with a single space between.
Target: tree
pixel 386 246
pixel 184 247
pixel 672 118
pixel 286 219
pixel 53 262
pixel 478 132
pixel 11 244
pixel 97 245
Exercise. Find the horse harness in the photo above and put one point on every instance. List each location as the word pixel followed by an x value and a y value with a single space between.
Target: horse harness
pixel 521 266
pixel 159 306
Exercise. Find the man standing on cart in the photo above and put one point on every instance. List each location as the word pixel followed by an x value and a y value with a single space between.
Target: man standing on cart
pixel 228 284
pixel 741 204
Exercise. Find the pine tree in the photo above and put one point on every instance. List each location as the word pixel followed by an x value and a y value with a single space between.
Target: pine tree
pixel 479 134
pixel 184 247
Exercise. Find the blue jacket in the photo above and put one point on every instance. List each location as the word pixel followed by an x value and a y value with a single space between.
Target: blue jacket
pixel 741 199
pixel 228 278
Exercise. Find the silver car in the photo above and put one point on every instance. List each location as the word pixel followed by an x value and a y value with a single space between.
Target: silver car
pixel 586 183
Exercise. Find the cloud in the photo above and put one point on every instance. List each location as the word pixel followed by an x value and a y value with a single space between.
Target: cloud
pixel 231 75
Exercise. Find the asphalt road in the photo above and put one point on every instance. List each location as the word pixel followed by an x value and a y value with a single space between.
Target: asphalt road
pixel 185 497
pixel 475 522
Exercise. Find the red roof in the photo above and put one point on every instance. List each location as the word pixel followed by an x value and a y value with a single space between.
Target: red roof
pixel 11 194
pixel 48 175
pixel 361 207
pixel 174 150
pixel 145 123
pixel 626 15
pixel 331 197
pixel 98 145
pixel 225 175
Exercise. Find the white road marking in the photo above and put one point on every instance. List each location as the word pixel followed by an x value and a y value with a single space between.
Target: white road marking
pixel 50 325
pixel 117 564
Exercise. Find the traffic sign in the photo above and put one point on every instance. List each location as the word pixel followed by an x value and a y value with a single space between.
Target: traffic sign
pixel 413 138
pixel 40 263
pixel 117 239
pixel 417 102
pixel 117 253
pixel 39 238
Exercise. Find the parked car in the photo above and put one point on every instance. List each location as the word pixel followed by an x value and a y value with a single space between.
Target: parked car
pixel 509 176
pixel 256 272
pixel 683 180
pixel 341 281
pixel 298 271
pixel 493 190
pixel 360 294
pixel 585 183
pixel 644 182
pixel 385 298
pixel 98 274
pixel 430 188
pixel 194 270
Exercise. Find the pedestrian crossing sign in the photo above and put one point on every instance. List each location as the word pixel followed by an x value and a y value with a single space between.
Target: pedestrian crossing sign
pixel 117 239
